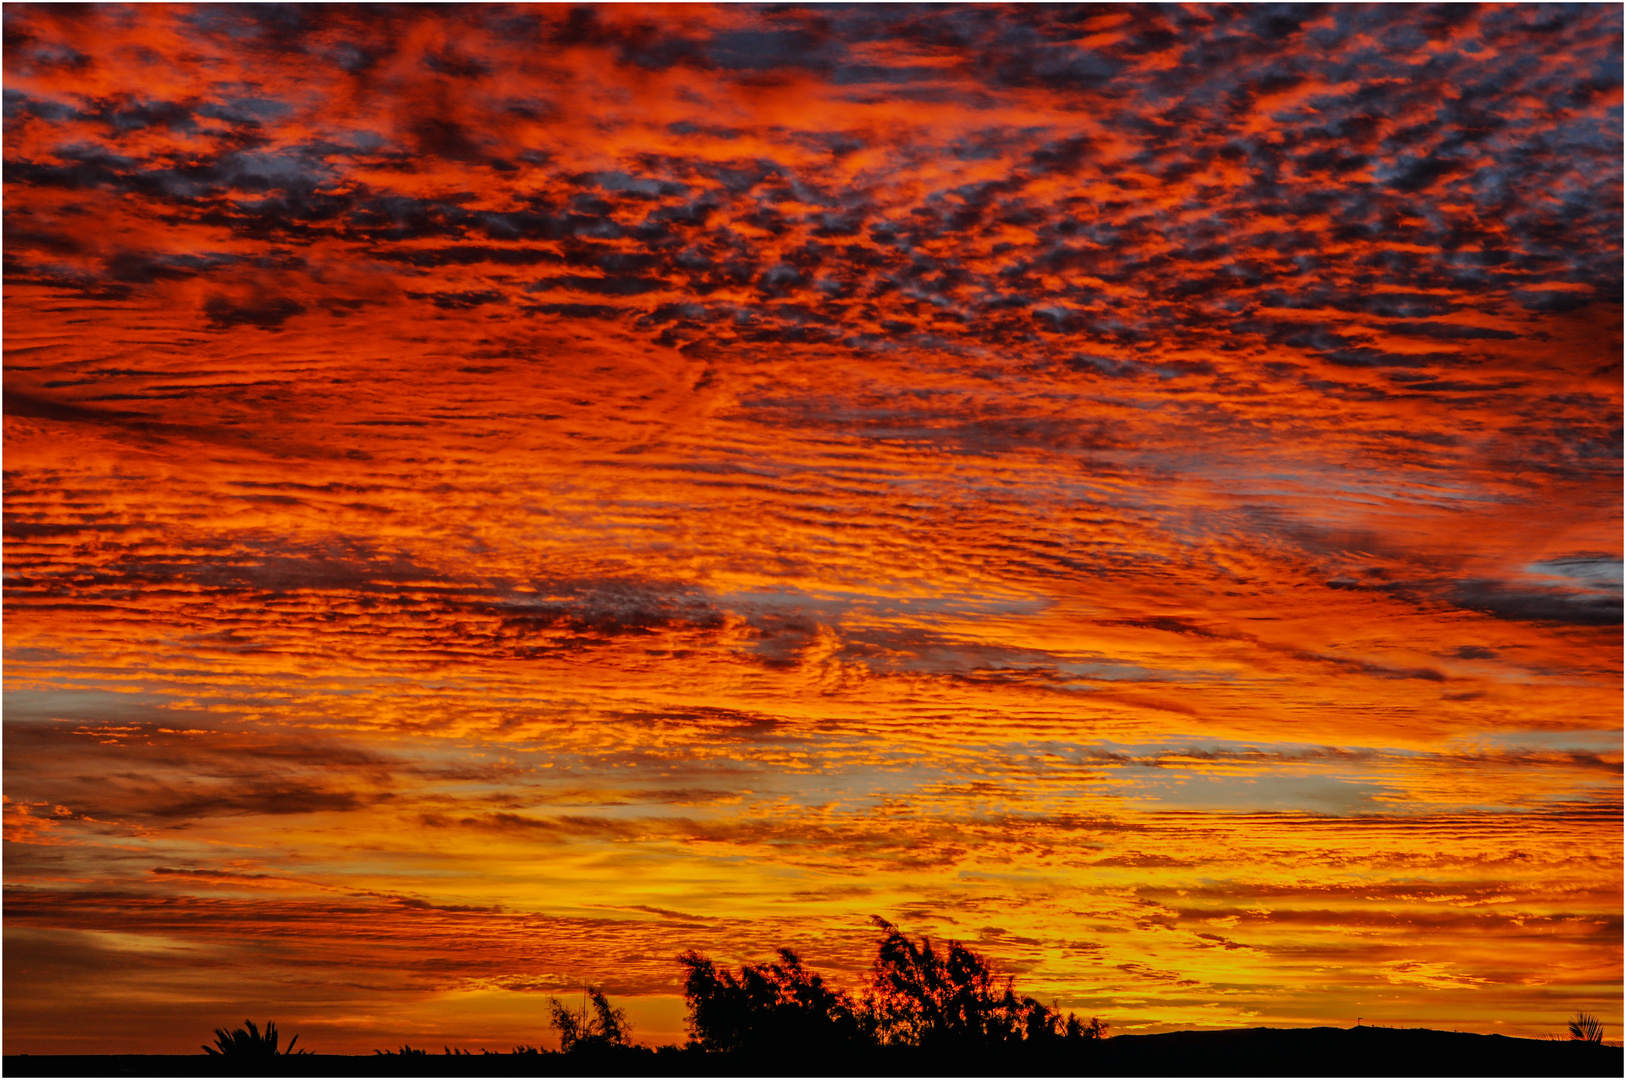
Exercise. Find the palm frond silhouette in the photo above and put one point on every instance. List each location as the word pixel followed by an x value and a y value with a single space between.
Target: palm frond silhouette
pixel 1584 1027
pixel 251 1043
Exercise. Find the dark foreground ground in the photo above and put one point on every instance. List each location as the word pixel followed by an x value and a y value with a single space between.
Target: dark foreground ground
pixel 1364 1051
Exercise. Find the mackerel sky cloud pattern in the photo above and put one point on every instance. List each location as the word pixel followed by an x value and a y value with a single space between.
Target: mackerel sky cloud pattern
pixel 496 496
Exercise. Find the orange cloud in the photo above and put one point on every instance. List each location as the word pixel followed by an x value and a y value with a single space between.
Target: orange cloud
pixel 498 497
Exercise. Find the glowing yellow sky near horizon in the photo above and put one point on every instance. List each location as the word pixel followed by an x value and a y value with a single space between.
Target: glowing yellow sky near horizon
pixel 478 527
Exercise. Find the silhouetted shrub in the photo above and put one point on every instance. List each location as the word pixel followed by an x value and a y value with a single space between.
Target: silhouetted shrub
pixel 606 1027
pixel 251 1043
pixel 767 1007
pixel 952 1000
pixel 942 1001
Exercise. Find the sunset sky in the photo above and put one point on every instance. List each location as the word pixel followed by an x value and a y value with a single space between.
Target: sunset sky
pixel 498 496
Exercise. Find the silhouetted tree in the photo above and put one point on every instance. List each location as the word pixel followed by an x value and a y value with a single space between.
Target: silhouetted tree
pixel 942 1001
pixel 951 999
pixel 251 1043
pixel 606 1027
pixel 768 1007
pixel 1585 1027
pixel 1075 1028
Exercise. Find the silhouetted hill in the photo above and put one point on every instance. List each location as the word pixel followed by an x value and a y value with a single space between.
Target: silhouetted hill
pixel 1364 1051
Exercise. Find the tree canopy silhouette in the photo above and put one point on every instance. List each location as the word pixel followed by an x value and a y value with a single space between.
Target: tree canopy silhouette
pixel 766 1006
pixel 607 1026
pixel 951 998
pixel 942 1000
